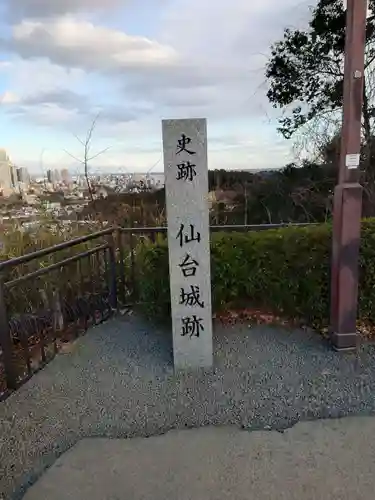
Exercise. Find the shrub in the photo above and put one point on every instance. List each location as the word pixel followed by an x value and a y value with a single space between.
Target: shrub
pixel 27 296
pixel 286 271
pixel 152 278
pixel 367 272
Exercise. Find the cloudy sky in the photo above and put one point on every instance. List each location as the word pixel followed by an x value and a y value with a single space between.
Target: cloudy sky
pixel 135 62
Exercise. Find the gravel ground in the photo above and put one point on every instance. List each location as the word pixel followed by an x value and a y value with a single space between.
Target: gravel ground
pixel 118 381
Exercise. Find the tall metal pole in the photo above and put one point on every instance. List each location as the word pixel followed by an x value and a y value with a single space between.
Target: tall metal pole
pixel 347 208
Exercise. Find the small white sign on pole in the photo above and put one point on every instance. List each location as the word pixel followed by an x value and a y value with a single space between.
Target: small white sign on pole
pixel 186 183
pixel 352 160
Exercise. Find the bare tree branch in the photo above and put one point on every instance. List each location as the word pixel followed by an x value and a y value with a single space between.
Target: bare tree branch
pixel 74 157
pixel 98 154
pixel 79 140
pixel 86 154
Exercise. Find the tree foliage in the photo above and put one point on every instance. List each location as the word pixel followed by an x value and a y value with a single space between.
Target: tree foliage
pixel 146 208
pixel 292 194
pixel 306 69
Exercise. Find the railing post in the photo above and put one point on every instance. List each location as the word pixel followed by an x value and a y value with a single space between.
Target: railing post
pixel 122 265
pixel 132 269
pixel 58 317
pixel 6 341
pixel 112 272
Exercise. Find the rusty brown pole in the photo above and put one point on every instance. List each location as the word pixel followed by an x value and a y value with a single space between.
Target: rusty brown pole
pixel 347 208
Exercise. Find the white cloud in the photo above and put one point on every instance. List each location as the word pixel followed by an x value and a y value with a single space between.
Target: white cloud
pixel 79 44
pixel 9 98
pixel 19 9
pixel 55 92
pixel 59 107
pixel 41 92
pixel 30 77
pixel 48 114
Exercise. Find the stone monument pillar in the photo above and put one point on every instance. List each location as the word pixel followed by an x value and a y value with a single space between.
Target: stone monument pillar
pixel 186 184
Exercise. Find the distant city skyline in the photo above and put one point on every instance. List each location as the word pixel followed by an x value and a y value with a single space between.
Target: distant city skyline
pixel 36 169
pixel 46 171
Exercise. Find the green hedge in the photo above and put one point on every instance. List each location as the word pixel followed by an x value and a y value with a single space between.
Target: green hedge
pixel 286 271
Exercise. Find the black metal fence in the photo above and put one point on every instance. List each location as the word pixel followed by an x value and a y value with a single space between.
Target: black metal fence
pixel 52 296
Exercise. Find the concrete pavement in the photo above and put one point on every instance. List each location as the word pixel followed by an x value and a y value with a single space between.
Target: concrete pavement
pixel 328 459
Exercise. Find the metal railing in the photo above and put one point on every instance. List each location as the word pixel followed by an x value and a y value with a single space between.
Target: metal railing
pixel 53 295
pixel 49 297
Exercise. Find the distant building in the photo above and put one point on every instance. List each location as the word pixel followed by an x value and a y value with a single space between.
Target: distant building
pixel 65 177
pixel 156 179
pixel 50 176
pixel 81 181
pixel 101 192
pixel 30 199
pixel 13 174
pixel 8 174
pixel 152 180
pixel 23 175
